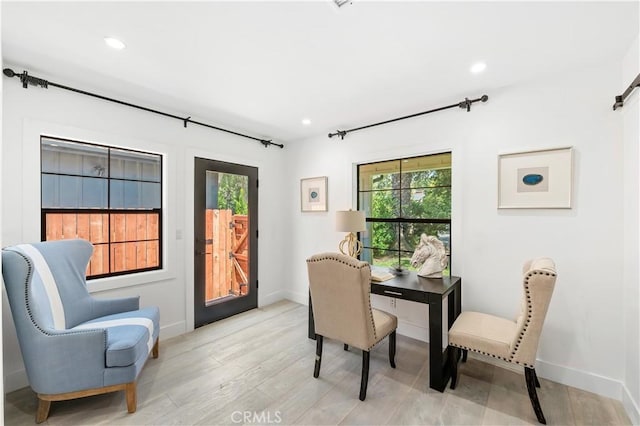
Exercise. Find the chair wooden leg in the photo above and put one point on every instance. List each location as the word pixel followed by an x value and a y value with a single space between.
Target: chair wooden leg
pixel 316 370
pixel 392 349
pixel 453 365
pixel 535 375
pixel 43 410
pixel 346 347
pixel 530 378
pixel 132 398
pixel 154 351
pixel 464 355
pixel 365 375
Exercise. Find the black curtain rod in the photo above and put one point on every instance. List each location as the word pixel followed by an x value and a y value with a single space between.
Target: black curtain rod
pixel 27 80
pixel 620 99
pixel 464 104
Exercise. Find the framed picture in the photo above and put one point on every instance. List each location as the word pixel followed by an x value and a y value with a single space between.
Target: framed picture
pixel 535 179
pixel 313 194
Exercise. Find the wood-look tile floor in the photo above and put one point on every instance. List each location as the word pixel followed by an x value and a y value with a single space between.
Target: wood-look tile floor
pixel 256 368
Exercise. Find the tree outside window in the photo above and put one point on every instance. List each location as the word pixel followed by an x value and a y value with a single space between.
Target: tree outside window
pixel 403 199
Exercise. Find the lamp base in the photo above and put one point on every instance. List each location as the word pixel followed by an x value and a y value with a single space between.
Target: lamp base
pixel 353 246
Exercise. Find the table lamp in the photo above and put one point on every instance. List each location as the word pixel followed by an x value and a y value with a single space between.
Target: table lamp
pixel 350 221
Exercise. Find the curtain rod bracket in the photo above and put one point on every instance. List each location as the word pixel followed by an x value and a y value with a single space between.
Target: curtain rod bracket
pixel 185 121
pixel 26 79
pixel 468 102
pixel 619 103
pixel 341 133
pixel 465 104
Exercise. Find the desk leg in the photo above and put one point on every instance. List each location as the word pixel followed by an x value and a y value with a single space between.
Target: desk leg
pixel 312 326
pixel 455 307
pixel 437 376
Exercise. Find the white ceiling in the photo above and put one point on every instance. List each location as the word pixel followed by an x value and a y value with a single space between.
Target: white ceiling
pixel 260 67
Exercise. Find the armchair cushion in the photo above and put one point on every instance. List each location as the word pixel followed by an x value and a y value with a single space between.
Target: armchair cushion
pixel 484 333
pixel 130 335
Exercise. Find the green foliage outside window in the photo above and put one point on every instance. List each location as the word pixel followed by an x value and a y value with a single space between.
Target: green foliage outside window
pixel 232 193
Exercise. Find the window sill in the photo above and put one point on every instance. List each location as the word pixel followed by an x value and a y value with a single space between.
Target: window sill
pixel 139 278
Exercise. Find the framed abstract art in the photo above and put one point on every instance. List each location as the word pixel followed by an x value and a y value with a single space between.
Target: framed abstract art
pixel 535 179
pixel 313 194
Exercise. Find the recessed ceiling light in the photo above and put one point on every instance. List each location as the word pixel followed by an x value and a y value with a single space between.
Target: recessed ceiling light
pixel 114 43
pixel 306 121
pixel 478 67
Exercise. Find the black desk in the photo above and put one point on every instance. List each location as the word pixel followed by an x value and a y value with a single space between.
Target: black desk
pixel 424 290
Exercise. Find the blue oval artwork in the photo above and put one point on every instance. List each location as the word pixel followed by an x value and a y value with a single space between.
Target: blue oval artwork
pixel 532 179
pixel 313 195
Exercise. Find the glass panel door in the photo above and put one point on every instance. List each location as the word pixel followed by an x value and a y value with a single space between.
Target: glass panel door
pixel 225 240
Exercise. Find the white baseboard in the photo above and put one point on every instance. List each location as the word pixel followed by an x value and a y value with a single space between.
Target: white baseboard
pixel 15 380
pixel 173 330
pixel 584 380
pixel 301 298
pixel 409 329
pixel 630 406
pixel 270 298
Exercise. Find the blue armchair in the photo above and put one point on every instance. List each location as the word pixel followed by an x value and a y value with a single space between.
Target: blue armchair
pixel 74 345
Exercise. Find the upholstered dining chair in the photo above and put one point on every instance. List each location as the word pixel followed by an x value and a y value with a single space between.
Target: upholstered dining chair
pixel 511 341
pixel 340 294
pixel 74 345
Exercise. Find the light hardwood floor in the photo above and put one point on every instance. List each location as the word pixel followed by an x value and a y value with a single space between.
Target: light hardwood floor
pixel 257 367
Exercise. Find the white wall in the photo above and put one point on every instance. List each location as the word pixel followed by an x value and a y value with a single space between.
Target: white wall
pixel 29 113
pixel 582 332
pixel 631 276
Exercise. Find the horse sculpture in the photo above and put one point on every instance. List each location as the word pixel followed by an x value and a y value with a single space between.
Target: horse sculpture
pixel 430 256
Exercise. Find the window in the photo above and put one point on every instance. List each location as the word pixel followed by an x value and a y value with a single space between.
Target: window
pixel 403 199
pixel 109 196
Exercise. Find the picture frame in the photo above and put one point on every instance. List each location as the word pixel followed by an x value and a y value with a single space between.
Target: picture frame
pixel 313 194
pixel 540 179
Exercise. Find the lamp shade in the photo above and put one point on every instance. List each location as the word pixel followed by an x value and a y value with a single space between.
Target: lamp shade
pixel 350 221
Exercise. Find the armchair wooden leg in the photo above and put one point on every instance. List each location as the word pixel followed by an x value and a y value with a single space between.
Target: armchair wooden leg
pixel 464 355
pixel 346 347
pixel 154 351
pixel 132 398
pixel 43 410
pixel 365 375
pixel 392 349
pixel 453 365
pixel 530 378
pixel 316 370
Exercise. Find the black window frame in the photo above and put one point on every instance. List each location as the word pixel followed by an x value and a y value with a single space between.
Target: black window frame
pixel 400 219
pixel 108 211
